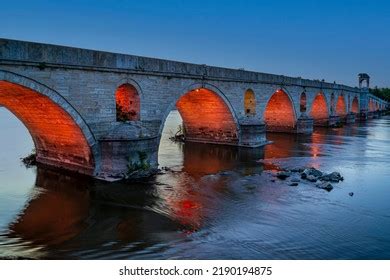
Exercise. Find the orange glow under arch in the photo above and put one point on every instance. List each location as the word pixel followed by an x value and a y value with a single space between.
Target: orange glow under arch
pixel 341 108
pixel 279 113
pixel 58 140
pixel 250 103
pixel 355 105
pixel 127 103
pixel 319 110
pixel 207 118
pixel 371 106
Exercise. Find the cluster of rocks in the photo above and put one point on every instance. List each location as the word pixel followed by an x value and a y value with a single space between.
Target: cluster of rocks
pixel 322 180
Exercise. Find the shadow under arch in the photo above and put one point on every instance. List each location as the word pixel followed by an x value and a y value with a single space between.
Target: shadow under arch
pixel 207 114
pixel 61 137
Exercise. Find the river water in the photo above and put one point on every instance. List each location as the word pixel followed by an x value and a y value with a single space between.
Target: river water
pixel 214 202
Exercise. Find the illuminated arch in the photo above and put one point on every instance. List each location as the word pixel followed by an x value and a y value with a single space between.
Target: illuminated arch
pixel 128 105
pixel 207 117
pixel 371 105
pixel 279 114
pixel 341 108
pixel 250 103
pixel 355 105
pixel 319 110
pixel 61 136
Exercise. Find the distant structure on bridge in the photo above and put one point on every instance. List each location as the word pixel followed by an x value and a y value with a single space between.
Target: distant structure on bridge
pixel 363 77
pixel 101 113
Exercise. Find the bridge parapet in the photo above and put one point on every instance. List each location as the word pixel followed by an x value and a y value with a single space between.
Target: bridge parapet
pixel 46 55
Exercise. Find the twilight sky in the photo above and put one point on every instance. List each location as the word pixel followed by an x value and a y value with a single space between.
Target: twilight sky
pixel 331 40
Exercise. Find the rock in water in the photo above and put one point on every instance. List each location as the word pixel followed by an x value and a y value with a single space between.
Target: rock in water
pixel 332 177
pixel 351 194
pixel 282 175
pixel 293 184
pixel 311 178
pixel 325 186
pixel 311 172
pixel 297 170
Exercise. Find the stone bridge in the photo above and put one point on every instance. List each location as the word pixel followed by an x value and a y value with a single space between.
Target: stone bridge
pixel 98 113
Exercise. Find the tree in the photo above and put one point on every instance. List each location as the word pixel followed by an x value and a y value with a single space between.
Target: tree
pixel 383 93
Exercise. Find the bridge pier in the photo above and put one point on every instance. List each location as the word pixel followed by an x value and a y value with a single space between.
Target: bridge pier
pixel 305 125
pixel 334 121
pixel 132 150
pixel 128 150
pixel 350 118
pixel 252 133
pixel 363 115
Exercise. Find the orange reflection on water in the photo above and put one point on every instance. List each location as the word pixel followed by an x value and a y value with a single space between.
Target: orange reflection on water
pixel 55 213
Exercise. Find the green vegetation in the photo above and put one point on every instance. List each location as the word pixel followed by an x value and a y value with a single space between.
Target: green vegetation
pixel 383 93
pixel 140 164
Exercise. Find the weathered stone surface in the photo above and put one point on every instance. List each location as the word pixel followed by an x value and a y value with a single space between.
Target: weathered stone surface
pixel 81 86
pixel 311 172
pixel 311 178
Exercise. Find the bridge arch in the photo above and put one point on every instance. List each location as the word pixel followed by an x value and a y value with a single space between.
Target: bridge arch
pixel 207 115
pixel 355 105
pixel 319 109
pixel 341 106
pixel 60 135
pixel 135 91
pixel 370 105
pixel 249 103
pixel 128 103
pixel 279 113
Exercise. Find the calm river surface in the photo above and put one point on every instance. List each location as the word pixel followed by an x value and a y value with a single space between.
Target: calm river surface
pixel 216 202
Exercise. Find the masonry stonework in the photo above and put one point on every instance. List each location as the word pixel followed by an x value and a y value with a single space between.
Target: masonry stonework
pixel 82 85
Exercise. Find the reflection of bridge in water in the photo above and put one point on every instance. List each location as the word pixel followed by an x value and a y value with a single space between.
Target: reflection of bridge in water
pixel 85 213
pixel 95 112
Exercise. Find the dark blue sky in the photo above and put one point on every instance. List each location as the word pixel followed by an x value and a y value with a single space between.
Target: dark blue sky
pixel 331 40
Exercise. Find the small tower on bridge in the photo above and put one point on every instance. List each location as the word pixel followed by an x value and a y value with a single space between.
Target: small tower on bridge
pixel 364 77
